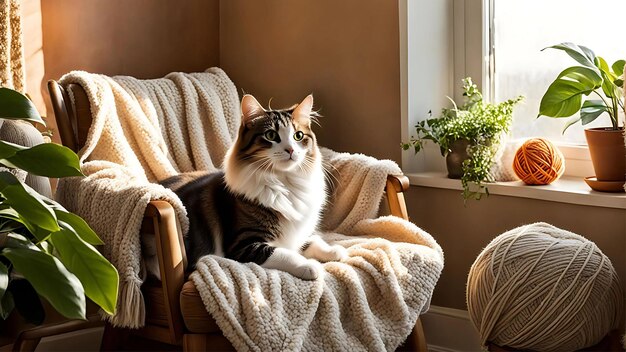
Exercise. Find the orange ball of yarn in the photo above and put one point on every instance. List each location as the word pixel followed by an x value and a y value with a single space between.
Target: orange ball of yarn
pixel 538 162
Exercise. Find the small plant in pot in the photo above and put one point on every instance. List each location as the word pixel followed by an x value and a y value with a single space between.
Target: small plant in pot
pixel 45 251
pixel 468 136
pixel 564 98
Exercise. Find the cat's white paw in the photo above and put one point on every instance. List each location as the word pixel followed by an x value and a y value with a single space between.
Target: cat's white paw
pixel 337 253
pixel 310 270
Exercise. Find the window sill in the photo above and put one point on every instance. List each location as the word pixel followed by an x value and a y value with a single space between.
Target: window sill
pixel 567 189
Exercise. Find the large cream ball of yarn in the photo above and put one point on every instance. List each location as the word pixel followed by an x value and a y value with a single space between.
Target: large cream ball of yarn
pixel 541 288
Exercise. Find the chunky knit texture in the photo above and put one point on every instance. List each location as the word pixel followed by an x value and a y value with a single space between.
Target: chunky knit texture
pixel 144 131
pixel 11 48
pixel 370 301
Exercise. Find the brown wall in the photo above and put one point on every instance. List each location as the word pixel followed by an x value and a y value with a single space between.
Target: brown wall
pixel 344 52
pixel 142 38
pixel 463 232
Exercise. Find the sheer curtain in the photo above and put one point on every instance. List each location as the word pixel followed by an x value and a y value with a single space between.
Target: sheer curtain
pixel 11 46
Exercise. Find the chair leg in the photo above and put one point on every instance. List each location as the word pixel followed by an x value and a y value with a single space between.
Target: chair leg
pixel 417 335
pixel 206 342
pixel 194 342
pixel 114 339
pixel 415 341
pixel 26 345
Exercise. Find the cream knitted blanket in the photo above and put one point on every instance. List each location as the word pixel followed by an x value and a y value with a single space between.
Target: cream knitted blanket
pixel 370 301
pixel 144 131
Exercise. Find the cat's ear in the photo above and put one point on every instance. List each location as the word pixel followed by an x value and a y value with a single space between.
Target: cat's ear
pixel 302 112
pixel 250 108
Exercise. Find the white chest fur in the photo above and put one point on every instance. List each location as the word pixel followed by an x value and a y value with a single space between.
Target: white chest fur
pixel 298 197
pixel 307 197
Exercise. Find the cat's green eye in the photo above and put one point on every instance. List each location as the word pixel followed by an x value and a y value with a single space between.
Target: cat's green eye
pixel 298 135
pixel 270 135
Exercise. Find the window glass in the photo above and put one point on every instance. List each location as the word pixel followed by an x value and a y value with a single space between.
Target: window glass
pixel 521 28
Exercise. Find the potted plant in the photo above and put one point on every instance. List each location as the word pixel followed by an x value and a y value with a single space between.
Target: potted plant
pixel 468 136
pixel 44 249
pixel 564 98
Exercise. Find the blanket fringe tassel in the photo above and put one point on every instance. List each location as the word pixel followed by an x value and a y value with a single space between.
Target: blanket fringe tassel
pixel 135 312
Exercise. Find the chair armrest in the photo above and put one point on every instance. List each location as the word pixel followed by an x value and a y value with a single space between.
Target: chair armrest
pixel 396 185
pixel 28 340
pixel 400 182
pixel 160 220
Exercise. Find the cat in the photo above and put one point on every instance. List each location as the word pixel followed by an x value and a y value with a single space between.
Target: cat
pixel 266 204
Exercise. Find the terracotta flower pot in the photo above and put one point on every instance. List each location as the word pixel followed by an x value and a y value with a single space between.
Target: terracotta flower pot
pixel 608 153
pixel 455 158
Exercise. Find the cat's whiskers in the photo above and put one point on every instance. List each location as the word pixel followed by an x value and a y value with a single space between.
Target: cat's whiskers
pixel 267 165
pixel 306 165
pixel 262 166
pixel 248 157
pixel 330 173
pixel 315 118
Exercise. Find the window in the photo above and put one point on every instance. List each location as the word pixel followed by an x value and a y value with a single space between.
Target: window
pixel 441 42
pixel 520 29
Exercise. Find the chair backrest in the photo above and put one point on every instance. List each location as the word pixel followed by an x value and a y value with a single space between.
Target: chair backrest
pixel 73 118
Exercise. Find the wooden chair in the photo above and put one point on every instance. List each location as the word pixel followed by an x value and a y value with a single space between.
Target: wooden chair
pixel 175 313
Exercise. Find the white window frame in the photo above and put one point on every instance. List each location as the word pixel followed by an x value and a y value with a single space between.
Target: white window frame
pixel 465 49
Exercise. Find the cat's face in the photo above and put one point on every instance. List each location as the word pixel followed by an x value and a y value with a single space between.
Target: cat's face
pixel 276 140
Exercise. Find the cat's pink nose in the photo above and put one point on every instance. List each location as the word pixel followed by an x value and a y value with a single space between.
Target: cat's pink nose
pixel 289 150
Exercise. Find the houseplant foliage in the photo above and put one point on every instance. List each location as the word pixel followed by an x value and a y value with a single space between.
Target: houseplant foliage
pixel 44 249
pixel 564 96
pixel 601 88
pixel 479 123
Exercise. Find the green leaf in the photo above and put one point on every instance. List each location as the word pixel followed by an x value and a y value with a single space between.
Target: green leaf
pixel 50 279
pixel 590 110
pixel 15 240
pixel 8 150
pixel 564 96
pixel 9 225
pixel 6 305
pixel 4 279
pixel 602 64
pixel 46 159
pixel 6 300
pixel 581 54
pixel 76 223
pixel 7 212
pixel 98 276
pixel 618 67
pixel 16 106
pixel 28 204
pixel 608 87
